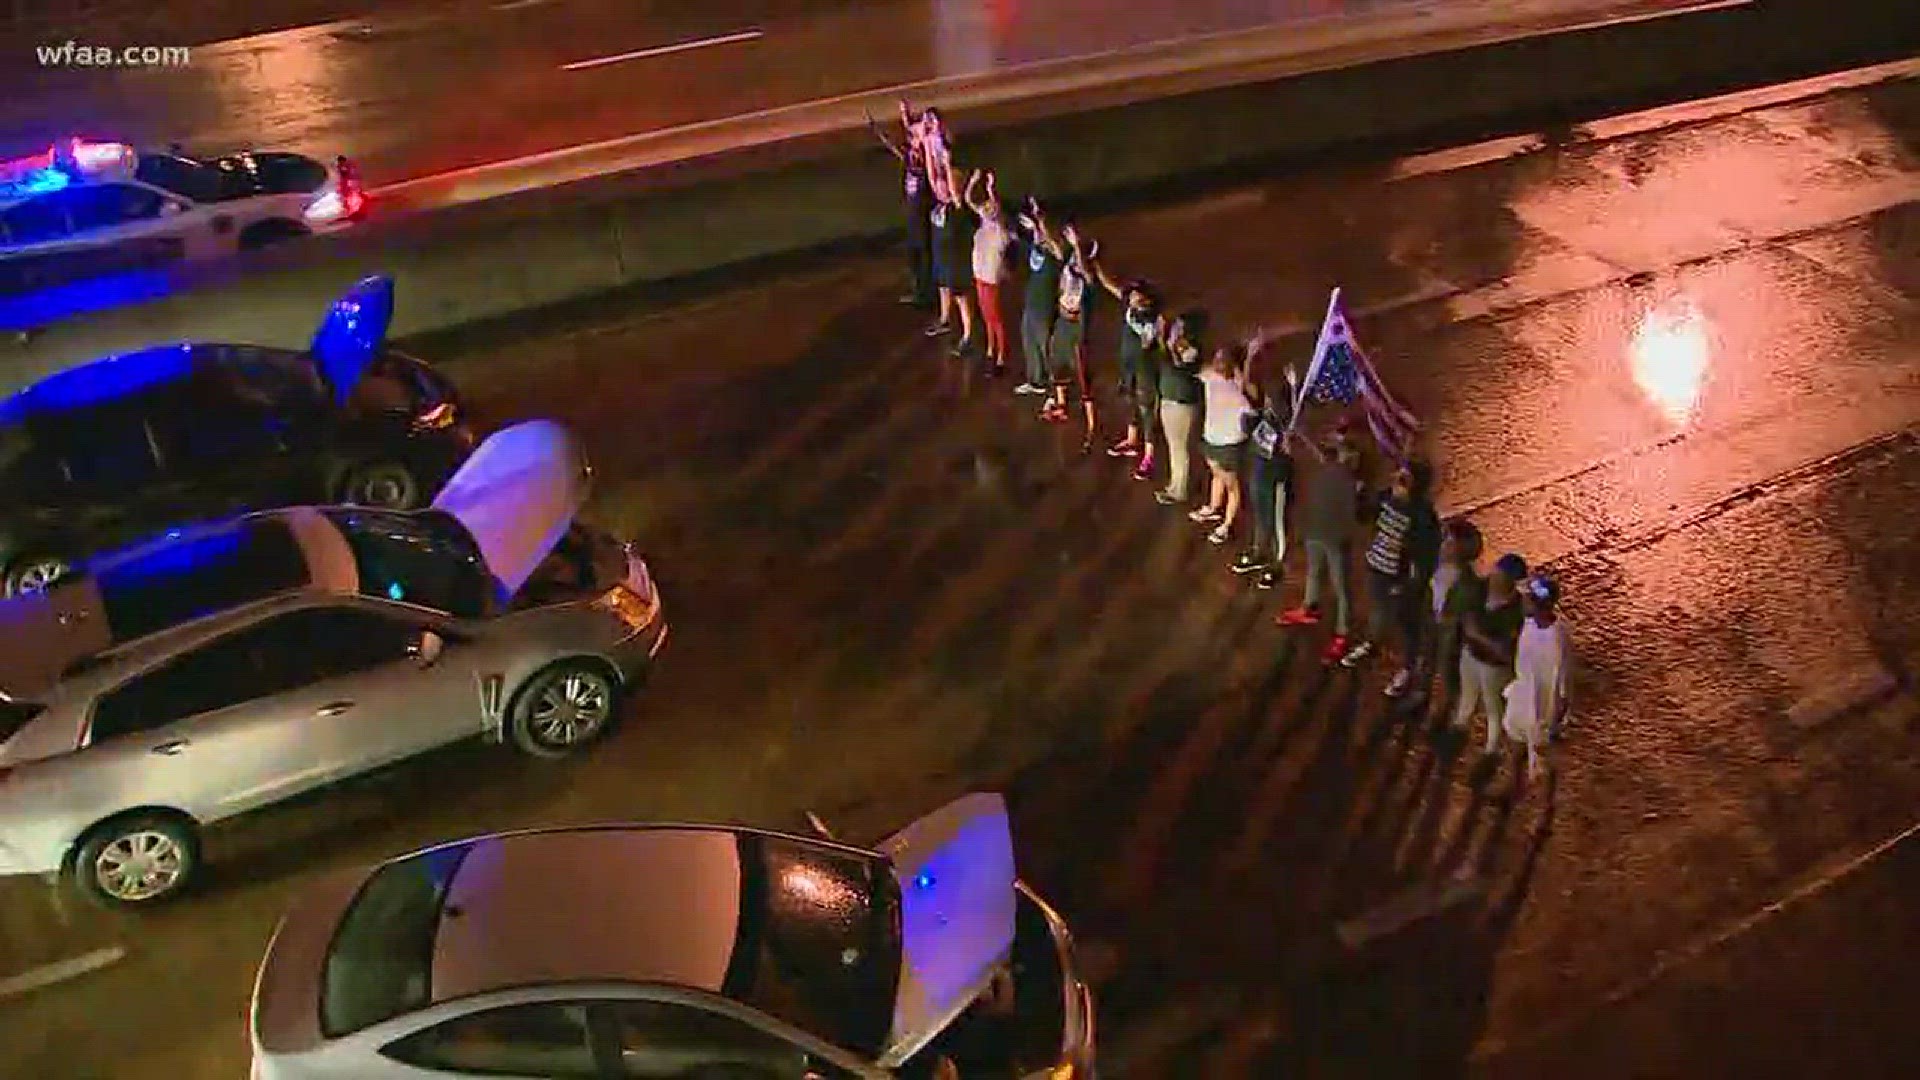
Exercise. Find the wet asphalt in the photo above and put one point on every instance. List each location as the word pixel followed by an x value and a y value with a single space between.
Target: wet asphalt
pixel 1681 368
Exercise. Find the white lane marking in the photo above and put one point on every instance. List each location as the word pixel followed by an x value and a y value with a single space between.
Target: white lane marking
pixel 663 50
pixel 60 971
pixel 1706 946
pixel 955 92
pixel 516 5
pixel 1662 118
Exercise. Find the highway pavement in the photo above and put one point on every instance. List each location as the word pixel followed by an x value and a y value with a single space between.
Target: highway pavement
pixel 1680 365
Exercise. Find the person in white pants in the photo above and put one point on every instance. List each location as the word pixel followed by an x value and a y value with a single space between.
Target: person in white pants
pixel 1489 635
pixel 1537 697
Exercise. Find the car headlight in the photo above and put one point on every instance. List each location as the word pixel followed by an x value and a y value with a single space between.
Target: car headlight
pixel 628 606
pixel 438 418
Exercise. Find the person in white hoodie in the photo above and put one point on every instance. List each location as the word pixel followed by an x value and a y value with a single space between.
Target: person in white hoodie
pixel 1537 699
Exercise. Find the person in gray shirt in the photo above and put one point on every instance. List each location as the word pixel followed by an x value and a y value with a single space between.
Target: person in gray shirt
pixel 1329 517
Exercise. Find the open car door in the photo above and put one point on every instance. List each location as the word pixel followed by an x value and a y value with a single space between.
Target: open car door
pixel 957 910
pixel 353 334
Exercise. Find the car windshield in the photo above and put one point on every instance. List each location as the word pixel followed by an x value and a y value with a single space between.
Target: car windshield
pixel 380 962
pixel 818 943
pixel 190 576
pixel 269 378
pixel 419 558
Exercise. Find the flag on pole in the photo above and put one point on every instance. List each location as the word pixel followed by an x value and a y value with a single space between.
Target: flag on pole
pixel 1340 371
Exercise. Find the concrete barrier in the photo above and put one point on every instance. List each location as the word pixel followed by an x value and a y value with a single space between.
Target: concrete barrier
pixel 492 259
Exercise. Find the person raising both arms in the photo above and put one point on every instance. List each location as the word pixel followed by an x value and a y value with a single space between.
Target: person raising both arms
pixel 1139 367
pixel 918 203
pixel 952 234
pixel 1046 258
pixel 1067 348
pixel 990 242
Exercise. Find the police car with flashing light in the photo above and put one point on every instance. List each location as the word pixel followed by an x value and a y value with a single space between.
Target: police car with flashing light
pixel 84 209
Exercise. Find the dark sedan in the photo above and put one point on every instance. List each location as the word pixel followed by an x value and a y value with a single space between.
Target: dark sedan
pixel 107 453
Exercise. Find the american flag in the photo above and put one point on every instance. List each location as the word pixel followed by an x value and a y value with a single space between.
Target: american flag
pixel 1341 372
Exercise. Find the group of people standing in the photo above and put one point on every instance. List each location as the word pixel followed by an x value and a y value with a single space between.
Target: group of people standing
pixel 1495 643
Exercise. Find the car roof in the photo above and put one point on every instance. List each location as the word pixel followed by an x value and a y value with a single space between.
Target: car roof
pixel 640 904
pixel 114 378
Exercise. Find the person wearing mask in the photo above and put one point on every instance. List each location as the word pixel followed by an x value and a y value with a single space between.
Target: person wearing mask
pixel 1537 697
pixel 1329 518
pixel 990 242
pixel 1400 561
pixel 1457 588
pixel 1067 348
pixel 1490 633
pixel 1270 473
pixel 1226 418
pixel 1139 368
pixel 952 235
pixel 918 202
pixel 1046 258
pixel 1182 346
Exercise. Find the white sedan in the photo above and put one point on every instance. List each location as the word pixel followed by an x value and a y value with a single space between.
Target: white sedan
pixel 679 952
pixel 82 210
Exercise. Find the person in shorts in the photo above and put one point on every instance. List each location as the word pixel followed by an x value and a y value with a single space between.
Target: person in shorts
pixel 1225 423
pixel 952 235
pixel 1139 368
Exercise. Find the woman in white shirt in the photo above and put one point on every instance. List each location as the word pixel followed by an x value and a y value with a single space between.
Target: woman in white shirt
pixel 990 243
pixel 1537 696
pixel 1223 431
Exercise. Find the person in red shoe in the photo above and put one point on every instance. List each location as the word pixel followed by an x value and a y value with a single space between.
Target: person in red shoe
pixel 1329 519
pixel 991 238
pixel 1067 348
pixel 1140 333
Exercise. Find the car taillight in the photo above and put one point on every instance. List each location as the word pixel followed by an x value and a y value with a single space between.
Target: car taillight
pixel 353 192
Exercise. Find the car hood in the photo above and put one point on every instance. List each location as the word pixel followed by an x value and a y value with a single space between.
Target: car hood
pixel 353 334
pixel 957 909
pixel 517 496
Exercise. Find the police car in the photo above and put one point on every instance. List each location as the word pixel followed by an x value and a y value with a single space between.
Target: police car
pixel 84 209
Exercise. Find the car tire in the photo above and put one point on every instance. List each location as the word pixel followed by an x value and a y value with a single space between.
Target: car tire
pixel 383 485
pixel 137 860
pixel 32 573
pixel 268 233
pixel 565 708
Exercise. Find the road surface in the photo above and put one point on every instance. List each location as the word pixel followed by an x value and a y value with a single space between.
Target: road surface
pixel 1680 367
pixel 439 87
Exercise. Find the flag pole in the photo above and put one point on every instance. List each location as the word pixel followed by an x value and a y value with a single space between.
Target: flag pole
pixel 1314 365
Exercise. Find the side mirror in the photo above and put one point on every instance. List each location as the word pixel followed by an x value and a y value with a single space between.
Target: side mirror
pixel 426 647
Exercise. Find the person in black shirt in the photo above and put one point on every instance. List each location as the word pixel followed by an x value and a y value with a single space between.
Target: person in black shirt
pixel 1400 560
pixel 918 196
pixel 1046 258
pixel 1139 368
pixel 1270 480
pixel 1491 633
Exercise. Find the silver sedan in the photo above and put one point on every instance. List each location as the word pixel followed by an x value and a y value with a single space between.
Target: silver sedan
pixel 680 952
pixel 224 668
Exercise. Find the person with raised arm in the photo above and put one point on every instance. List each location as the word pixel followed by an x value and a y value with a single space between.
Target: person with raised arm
pixel 918 202
pixel 1046 258
pixel 1139 367
pixel 991 239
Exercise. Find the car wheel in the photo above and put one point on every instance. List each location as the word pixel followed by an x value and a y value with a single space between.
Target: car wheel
pixel 33 573
pixel 564 708
pixel 383 485
pixel 254 237
pixel 137 860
